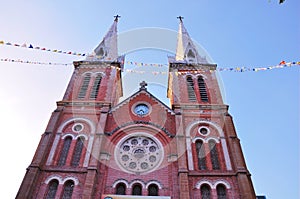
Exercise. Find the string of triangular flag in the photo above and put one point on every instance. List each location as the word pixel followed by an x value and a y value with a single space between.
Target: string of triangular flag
pixel 30 46
pixel 282 64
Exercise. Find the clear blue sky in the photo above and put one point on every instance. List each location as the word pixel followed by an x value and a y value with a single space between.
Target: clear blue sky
pixel 256 33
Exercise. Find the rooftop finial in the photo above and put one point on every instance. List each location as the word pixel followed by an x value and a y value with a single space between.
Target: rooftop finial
pixel 117 17
pixel 143 85
pixel 180 18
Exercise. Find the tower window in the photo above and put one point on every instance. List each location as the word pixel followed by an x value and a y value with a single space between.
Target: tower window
pixel 64 151
pixel 77 151
pixel 137 190
pixel 84 87
pixel 214 155
pixel 200 155
pixel 121 189
pixel 202 90
pixel 68 190
pixel 95 88
pixel 153 190
pixel 191 89
pixel 205 192
pixel 52 189
pixel 221 191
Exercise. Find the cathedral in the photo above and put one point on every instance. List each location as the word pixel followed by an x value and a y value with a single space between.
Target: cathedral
pixel 96 146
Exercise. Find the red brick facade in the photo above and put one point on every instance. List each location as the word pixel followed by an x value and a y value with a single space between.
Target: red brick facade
pixel 103 124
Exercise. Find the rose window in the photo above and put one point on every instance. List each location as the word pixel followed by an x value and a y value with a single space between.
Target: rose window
pixel 139 154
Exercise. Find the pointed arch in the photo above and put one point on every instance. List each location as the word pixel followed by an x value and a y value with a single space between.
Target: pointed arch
pixel 96 86
pixel 84 86
pixel 190 89
pixel 202 89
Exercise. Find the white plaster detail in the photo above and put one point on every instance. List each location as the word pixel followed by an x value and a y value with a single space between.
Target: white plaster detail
pixel 81 135
pixel 88 151
pixel 153 182
pixel 60 129
pixel 53 149
pixel 223 143
pixel 189 153
pixel 54 177
pixel 137 182
pixel 201 182
pixel 198 138
pixel 68 135
pixel 76 125
pixel 203 127
pixel 212 138
pixel 226 154
pixel 74 179
pixel 77 119
pixel 120 181
pixel 223 182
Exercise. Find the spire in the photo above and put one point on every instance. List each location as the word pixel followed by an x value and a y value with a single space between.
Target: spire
pixel 107 50
pixel 186 51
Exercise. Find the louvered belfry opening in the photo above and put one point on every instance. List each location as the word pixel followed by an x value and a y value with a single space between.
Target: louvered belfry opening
pixel 202 89
pixel 96 86
pixel 191 89
pixel 84 87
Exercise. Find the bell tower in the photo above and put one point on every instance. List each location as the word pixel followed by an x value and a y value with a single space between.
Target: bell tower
pixel 65 156
pixel 212 163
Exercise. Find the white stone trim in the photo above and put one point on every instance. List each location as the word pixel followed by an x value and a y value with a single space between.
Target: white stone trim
pixel 68 135
pixel 88 151
pixel 53 149
pixel 226 154
pixel 77 119
pixel 137 182
pixel 205 140
pixel 120 181
pixel 82 135
pixel 153 182
pixel 201 182
pixel 54 177
pixel 223 182
pixel 208 131
pixel 74 179
pixel 223 143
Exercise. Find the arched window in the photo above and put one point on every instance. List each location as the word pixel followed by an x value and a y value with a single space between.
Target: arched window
pixel 190 89
pixel 64 152
pixel 95 88
pixel 221 191
pixel 202 89
pixel 68 190
pixel 77 151
pixel 153 190
pixel 137 190
pixel 205 192
pixel 214 155
pixel 200 155
pixel 52 189
pixel 121 189
pixel 84 86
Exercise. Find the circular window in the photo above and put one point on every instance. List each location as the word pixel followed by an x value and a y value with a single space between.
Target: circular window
pixel 77 127
pixel 203 130
pixel 141 109
pixel 139 154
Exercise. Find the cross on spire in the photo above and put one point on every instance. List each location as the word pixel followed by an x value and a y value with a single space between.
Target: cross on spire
pixel 143 85
pixel 116 17
pixel 180 18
